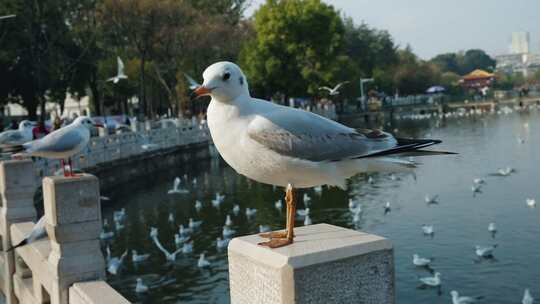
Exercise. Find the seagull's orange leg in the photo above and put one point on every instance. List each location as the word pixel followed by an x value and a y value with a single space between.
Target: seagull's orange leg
pixel 280 234
pixel 290 199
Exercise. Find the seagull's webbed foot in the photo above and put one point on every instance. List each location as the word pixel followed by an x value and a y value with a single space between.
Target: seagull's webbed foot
pixel 276 243
pixel 274 235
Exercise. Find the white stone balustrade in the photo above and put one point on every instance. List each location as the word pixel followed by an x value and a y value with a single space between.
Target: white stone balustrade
pixel 66 267
pixel 326 264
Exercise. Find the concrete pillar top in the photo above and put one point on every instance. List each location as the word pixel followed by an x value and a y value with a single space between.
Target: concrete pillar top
pixel 313 244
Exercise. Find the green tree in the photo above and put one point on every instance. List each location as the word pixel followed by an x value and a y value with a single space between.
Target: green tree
pixel 477 59
pixel 448 62
pixel 39 54
pixel 299 45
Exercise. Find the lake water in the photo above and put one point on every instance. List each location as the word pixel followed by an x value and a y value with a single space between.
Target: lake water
pixel 485 143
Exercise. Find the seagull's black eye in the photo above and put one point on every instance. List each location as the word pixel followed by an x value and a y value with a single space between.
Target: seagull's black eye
pixel 226 76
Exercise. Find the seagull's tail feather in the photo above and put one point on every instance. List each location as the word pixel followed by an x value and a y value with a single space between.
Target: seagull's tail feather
pixel 409 147
pixel 21 243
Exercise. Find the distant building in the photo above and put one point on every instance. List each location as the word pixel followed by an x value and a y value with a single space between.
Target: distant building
pixel 520 43
pixel 477 80
pixel 520 60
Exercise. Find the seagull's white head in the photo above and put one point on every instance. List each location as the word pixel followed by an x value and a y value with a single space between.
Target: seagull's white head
pixel 454 294
pixel 87 122
pixel 26 125
pixel 224 81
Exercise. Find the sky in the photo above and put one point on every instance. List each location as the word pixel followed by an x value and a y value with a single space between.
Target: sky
pixel 433 27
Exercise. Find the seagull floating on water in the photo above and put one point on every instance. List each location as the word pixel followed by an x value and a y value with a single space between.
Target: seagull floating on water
pixel 183 231
pixel 428 229
pixel 194 224
pixel 479 181
pixel 140 287
pixel 176 187
pixel 292 148
pixel 179 240
pixel 187 248
pixel 137 258
pixel 198 205
pixel 236 209
pixel 203 262
pixel 433 281
pixel 119 71
pixel 228 221
pixel 456 299
pixel 492 228
pixel 431 199
pixel 114 263
pixel 484 252
pixel 527 297
pixel 227 232
pixel 420 262
pixel 531 202
pixel 221 243
pixel 387 208
pixel 250 212
pixel 278 205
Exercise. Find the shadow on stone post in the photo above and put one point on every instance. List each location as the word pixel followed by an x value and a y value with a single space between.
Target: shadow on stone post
pixel 326 264
pixel 73 214
pixel 17 188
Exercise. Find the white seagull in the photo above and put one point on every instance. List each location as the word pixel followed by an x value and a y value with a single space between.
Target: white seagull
pixel 119 72
pixel 431 199
pixel 17 137
pixel 335 90
pixel 527 297
pixel 228 221
pixel 62 143
pixel 140 287
pixel 202 262
pixel 289 147
pixel 307 220
pixel 433 281
pixel 171 257
pixel 114 263
pixel 428 229
pixel 420 262
pixel 456 299
pixel 37 232
pixel 137 258
pixel 531 202
pixel 387 208
pixel 176 187
pixel 484 252
pixel 492 227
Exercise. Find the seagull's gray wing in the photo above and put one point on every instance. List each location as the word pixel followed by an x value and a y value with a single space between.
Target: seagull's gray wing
pixel 300 134
pixel 61 140
pixel 120 66
pixel 326 88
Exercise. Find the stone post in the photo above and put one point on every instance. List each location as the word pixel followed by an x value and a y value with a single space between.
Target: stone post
pixel 73 214
pixel 17 188
pixel 326 264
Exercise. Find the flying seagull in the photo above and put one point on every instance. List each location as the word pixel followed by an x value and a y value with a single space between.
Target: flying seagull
pixel 120 72
pixel 292 148
pixel 335 90
pixel 7 17
pixel 192 83
pixel 61 144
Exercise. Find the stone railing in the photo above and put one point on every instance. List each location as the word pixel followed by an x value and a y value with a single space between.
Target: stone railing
pixel 103 149
pixel 68 265
pixel 326 264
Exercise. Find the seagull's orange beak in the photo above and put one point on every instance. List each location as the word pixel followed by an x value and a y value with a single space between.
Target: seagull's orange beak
pixel 201 91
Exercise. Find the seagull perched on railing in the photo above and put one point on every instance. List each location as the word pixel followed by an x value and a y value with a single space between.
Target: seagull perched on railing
pixel 17 137
pixel 60 144
pixel 335 90
pixel 292 148
pixel 120 72
pixel 37 232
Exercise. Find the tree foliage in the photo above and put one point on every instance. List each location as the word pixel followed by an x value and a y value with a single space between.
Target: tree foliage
pixel 299 45
pixel 464 62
